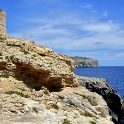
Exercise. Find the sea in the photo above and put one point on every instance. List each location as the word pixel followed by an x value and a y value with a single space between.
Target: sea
pixel 113 74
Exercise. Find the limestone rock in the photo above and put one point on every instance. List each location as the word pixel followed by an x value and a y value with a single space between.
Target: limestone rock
pixel 101 87
pixel 38 86
pixel 73 106
pixel 36 65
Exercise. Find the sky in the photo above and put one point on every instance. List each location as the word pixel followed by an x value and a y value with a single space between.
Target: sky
pixel 87 28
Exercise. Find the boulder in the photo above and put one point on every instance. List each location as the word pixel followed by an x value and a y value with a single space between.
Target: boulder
pixel 100 86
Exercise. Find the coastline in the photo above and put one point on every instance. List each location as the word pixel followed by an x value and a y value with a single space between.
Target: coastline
pixel 34 77
pixel 101 86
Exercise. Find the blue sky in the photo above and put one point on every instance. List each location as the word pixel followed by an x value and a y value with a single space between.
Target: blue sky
pixel 88 28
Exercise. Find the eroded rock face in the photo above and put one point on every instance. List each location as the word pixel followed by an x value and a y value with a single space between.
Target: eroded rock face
pixel 101 87
pixel 75 104
pixel 85 62
pixel 36 65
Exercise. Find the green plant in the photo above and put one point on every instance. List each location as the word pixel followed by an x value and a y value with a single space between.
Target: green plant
pixel 5 75
pixel 92 122
pixel 22 89
pixel 7 58
pixel 35 109
pixel 16 92
pixel 2 38
pixel 23 43
pixel 66 121
pixel 88 115
pixel 55 106
pixel 11 57
pixel 24 51
pixel 45 92
pixel 1 54
pixel 34 55
pixel 85 97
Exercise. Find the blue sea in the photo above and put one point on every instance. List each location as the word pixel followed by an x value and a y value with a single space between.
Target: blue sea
pixel 113 74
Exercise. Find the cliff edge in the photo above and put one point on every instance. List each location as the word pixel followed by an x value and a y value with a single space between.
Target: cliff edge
pixel 36 65
pixel 38 86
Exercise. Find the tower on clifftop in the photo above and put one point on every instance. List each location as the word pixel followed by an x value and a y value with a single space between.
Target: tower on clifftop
pixel 2 23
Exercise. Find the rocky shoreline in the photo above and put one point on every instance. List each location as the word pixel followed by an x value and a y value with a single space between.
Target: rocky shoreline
pixel 71 105
pixel 113 100
pixel 38 86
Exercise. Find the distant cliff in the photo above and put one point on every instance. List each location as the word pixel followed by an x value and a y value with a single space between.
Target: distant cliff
pixel 85 62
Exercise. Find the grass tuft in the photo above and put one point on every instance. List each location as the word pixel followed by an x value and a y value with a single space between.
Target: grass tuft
pixel 55 106
pixel 66 121
pixel 1 54
pixel 24 51
pixel 88 115
pixel 11 57
pixel 18 93
pixel 5 75
pixel 45 92
pixel 35 109
pixel 92 122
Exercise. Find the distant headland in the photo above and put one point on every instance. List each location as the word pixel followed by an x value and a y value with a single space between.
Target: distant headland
pixel 85 62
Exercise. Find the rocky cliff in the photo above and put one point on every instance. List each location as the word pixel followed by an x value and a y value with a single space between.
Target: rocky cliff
pixel 38 86
pixel 85 62
pixel 113 100
pixel 36 65
pixel 72 105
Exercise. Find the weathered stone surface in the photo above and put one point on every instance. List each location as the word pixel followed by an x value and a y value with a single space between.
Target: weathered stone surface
pixel 36 65
pixel 101 87
pixel 38 86
pixel 72 104
pixel 2 23
pixel 85 62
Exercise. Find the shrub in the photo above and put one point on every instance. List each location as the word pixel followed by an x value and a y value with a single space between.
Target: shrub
pixel 11 57
pixel 66 121
pixel 55 106
pixel 1 38
pixel 24 51
pixel 22 89
pixel 5 75
pixel 88 115
pixel 18 93
pixel 85 97
pixel 35 109
pixel 92 122
pixel 45 92
pixel 1 54
pixel 7 58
